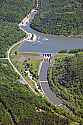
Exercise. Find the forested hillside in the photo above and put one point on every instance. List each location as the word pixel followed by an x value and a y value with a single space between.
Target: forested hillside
pixel 18 105
pixel 66 80
pixel 61 17
pixel 14 10
pixel 11 13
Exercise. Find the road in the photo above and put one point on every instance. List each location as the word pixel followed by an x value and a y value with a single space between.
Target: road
pixel 30 17
pixel 42 73
pixel 52 98
pixel 15 69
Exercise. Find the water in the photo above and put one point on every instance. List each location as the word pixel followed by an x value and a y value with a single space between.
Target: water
pixel 49 43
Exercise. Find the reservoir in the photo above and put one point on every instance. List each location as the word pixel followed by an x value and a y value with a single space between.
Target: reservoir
pixel 49 43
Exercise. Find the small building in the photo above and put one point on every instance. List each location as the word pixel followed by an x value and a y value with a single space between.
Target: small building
pixel 47 56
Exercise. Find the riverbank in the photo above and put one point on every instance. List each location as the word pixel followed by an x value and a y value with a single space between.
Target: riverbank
pixel 25 21
pixel 29 36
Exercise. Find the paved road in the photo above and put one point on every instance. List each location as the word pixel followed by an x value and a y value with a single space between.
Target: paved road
pixel 15 69
pixel 43 71
pixel 53 99
pixel 43 77
pixel 30 17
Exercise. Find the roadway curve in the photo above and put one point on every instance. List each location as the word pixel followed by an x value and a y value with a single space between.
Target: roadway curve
pixel 43 68
pixel 15 69
pixel 28 18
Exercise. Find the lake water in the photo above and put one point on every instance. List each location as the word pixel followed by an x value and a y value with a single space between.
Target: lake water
pixel 49 43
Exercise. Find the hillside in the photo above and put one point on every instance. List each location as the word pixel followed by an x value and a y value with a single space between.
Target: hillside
pixel 18 105
pixel 11 13
pixel 66 80
pixel 63 17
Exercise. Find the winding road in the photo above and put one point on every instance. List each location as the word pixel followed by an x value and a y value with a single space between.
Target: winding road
pixel 15 69
pixel 46 91
pixel 30 17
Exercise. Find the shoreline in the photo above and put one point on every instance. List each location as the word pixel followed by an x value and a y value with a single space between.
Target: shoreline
pixel 26 20
pixel 68 36
pixel 30 37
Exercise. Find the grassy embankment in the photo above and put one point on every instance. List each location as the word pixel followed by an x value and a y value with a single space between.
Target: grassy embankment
pixel 63 17
pixel 26 62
